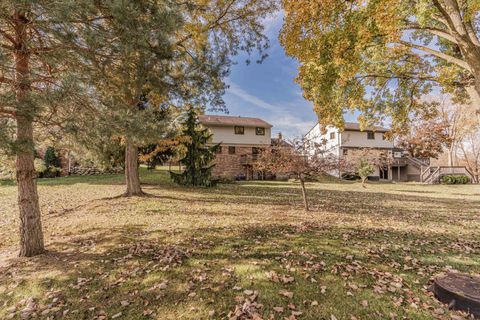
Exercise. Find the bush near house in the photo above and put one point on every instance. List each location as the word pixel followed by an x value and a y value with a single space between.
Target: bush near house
pixel 52 164
pixel 351 176
pixel 454 179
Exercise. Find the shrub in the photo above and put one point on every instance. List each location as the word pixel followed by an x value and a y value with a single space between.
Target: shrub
pixel 350 176
pixel 40 166
pixel 52 163
pixel 455 179
pixel 51 158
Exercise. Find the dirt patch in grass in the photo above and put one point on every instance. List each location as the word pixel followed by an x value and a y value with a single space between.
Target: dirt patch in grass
pixel 238 251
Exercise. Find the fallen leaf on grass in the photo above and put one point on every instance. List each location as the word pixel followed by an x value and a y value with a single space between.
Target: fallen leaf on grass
pixel 286 293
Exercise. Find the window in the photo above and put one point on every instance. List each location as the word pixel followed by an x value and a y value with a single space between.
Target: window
pixel 219 150
pixel 345 152
pixel 259 131
pixel 371 135
pixel 256 152
pixel 332 135
pixel 231 150
pixel 239 130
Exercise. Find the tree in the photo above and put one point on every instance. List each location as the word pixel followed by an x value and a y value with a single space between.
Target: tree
pixel 298 161
pixel 132 72
pixel 382 57
pixel 198 157
pixel 164 52
pixel 425 138
pixel 470 152
pixel 52 162
pixel 156 154
pixel 37 71
pixel 364 161
pixel 458 123
pixel 365 169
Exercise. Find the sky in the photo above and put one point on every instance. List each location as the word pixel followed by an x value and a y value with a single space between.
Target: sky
pixel 268 90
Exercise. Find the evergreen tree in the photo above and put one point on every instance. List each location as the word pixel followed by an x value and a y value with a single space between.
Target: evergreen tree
pixel 166 52
pixel 37 79
pixel 198 158
pixel 51 159
pixel 52 163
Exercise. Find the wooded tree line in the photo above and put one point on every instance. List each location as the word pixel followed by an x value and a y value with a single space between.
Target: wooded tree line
pixel 103 71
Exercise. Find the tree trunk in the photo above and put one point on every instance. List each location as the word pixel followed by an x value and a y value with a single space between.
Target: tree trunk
pixel 304 193
pixel 450 156
pixel 474 93
pixel 31 235
pixel 363 182
pixel 132 176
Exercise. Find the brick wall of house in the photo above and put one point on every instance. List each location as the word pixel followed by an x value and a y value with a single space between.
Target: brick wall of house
pixel 229 166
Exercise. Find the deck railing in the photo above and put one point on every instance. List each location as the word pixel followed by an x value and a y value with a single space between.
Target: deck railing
pixel 433 174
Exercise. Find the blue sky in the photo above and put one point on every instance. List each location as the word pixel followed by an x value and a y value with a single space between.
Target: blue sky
pixel 268 90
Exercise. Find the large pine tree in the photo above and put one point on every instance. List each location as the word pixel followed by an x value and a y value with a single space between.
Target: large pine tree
pixel 198 157
pixel 37 78
pixel 169 52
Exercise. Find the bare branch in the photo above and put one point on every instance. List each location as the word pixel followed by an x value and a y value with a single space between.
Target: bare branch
pixel 6 80
pixel 8 37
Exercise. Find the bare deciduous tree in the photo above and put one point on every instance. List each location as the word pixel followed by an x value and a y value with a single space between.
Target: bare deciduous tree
pixel 294 161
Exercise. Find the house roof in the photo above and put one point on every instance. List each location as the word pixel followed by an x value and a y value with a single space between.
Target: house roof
pixel 279 142
pixel 232 121
pixel 353 126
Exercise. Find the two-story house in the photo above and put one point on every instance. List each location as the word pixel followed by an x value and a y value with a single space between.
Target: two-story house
pixel 241 139
pixel 339 142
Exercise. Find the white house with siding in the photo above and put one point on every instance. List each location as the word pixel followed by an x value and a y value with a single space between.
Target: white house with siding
pixel 339 142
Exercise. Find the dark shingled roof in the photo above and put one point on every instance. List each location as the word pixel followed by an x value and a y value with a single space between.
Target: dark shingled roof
pixel 352 126
pixel 232 121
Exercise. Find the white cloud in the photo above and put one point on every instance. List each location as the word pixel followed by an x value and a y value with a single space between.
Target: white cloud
pixel 273 23
pixel 284 117
pixel 239 92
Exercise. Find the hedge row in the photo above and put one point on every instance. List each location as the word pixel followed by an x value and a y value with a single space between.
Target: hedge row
pixel 453 179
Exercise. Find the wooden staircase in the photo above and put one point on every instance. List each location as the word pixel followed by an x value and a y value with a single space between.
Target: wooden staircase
pixel 433 174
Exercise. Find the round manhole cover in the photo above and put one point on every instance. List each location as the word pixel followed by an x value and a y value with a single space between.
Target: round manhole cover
pixel 460 291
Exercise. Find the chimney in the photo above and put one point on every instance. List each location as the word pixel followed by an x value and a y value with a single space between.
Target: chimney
pixel 280 137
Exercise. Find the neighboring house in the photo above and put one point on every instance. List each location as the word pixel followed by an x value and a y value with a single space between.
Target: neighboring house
pixel 241 139
pixel 339 142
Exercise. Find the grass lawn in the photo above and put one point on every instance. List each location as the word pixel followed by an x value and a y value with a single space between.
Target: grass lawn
pixel 245 249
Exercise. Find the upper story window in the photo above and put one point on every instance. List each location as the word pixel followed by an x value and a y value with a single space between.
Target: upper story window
pixel 239 130
pixel 219 150
pixel 371 135
pixel 259 131
pixel 231 150
pixel 332 135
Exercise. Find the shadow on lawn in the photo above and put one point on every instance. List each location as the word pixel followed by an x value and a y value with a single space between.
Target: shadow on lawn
pixel 99 271
pixel 347 202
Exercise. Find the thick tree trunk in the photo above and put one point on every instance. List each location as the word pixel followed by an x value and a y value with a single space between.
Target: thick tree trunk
pixel 474 93
pixel 304 193
pixel 132 176
pixel 31 235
